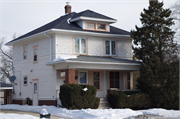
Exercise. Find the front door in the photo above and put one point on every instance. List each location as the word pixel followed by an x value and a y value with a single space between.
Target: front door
pixel 83 77
pixel 35 92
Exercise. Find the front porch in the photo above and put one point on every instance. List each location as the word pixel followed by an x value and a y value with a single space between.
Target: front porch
pixel 102 72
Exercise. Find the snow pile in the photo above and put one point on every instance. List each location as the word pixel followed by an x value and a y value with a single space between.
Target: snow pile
pixel 64 57
pixel 161 112
pixel 83 113
pixel 93 113
pixel 16 116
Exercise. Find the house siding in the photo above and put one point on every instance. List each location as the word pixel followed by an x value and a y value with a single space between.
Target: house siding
pixel 95 45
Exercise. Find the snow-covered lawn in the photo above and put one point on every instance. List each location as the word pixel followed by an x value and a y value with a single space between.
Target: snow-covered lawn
pixel 16 116
pixel 92 113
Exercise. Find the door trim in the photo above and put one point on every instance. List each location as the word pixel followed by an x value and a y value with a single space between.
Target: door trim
pixel 37 90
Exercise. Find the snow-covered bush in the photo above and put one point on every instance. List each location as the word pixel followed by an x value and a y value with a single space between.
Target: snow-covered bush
pixel 74 96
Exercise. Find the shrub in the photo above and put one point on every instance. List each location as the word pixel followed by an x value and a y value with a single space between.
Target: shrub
pixel 73 96
pixel 133 101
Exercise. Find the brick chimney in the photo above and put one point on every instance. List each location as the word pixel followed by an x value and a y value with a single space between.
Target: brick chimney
pixel 67 8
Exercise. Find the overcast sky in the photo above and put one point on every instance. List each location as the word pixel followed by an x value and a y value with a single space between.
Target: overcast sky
pixel 22 16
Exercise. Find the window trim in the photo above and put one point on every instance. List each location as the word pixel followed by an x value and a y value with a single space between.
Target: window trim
pixel 116 48
pixel 24 51
pixel 86 76
pixel 27 80
pixel 95 26
pixel 60 74
pixel 100 88
pixel 119 79
pixel 35 47
pixel 127 81
pixel 80 46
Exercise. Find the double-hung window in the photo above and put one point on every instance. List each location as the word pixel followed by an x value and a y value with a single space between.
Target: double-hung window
pixel 80 46
pixel 25 81
pixel 24 51
pixel 110 47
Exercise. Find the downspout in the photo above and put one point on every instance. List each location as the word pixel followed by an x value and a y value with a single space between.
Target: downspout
pixel 50 44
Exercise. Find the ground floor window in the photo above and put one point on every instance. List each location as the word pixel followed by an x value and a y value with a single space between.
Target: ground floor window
pixel 114 79
pixel 96 79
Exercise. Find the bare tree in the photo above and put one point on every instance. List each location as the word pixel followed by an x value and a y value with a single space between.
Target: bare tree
pixel 6 61
pixel 175 8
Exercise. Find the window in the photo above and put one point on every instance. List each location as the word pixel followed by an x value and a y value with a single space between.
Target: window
pixel 35 88
pixel 35 52
pixel 110 47
pixel 62 73
pixel 128 81
pixel 82 77
pixel 80 45
pixel 91 26
pixel 96 79
pixel 114 79
pixel 24 51
pixel 101 26
pixel 96 26
pixel 25 81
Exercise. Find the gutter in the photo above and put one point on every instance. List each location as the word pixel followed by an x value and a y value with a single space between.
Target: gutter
pixel 50 43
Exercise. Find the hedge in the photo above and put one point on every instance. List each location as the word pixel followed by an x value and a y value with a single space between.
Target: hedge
pixel 134 101
pixel 73 96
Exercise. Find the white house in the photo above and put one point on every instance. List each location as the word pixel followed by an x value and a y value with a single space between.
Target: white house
pixel 80 48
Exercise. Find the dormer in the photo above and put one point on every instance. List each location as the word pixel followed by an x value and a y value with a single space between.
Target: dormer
pixel 90 20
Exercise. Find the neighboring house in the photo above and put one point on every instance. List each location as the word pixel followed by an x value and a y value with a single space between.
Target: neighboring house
pixel 5 93
pixel 76 48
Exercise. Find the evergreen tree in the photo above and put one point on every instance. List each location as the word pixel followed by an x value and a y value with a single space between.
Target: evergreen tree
pixel 154 38
pixel 154 45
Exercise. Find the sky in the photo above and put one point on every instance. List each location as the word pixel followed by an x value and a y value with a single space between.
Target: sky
pixel 22 16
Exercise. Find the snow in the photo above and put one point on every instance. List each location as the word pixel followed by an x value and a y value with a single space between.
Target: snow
pixel 16 116
pixel 68 20
pixel 93 113
pixel 64 57
pixel 162 112
pixel 85 89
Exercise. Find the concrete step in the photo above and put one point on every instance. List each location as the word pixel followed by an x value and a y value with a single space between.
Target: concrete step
pixel 103 104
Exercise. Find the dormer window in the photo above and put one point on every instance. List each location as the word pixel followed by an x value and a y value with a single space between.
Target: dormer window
pixel 101 26
pixel 96 26
pixel 91 26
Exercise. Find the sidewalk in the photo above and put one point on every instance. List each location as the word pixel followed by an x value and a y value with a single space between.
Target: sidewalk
pixel 29 113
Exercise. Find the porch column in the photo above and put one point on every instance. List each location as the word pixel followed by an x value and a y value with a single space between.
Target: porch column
pixel 70 76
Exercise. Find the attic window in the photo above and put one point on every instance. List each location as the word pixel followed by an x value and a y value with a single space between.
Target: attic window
pixel 95 26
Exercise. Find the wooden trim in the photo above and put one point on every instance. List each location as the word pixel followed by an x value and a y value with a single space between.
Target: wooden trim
pixel 26 51
pixel 27 80
pixel 60 74
pixel 35 47
pixel 92 78
pixel 130 80
pixel 119 78
pixel 35 79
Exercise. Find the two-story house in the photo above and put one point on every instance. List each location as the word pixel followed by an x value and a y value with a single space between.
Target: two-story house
pixel 77 48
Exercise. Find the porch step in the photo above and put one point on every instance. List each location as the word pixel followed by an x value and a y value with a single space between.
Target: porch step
pixel 104 104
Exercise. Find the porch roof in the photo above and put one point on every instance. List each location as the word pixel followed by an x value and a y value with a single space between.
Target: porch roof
pixel 97 60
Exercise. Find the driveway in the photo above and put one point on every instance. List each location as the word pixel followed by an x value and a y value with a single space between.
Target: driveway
pixel 29 113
